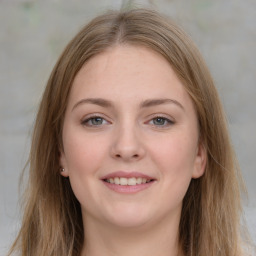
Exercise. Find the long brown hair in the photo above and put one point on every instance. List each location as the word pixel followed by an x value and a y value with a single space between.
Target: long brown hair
pixel 52 222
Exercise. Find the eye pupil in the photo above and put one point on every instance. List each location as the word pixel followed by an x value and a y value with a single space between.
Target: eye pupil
pixel 96 120
pixel 159 121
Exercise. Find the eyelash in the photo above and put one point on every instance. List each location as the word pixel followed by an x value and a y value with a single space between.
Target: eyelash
pixel 89 119
pixel 167 121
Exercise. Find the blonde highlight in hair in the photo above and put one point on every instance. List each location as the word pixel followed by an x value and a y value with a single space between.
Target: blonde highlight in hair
pixel 52 222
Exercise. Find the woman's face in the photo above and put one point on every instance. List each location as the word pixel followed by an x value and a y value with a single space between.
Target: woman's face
pixel 129 120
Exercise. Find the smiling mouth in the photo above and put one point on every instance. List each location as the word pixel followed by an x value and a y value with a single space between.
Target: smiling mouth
pixel 128 181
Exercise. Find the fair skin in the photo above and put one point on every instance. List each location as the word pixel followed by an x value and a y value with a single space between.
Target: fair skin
pixel 130 120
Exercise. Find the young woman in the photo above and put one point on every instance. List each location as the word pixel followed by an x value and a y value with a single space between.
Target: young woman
pixel 131 153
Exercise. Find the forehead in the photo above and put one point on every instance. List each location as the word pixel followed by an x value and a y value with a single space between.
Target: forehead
pixel 127 73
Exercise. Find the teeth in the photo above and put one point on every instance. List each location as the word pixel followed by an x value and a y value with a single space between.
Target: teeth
pixel 127 181
pixel 116 181
pixel 132 181
pixel 139 180
pixel 123 181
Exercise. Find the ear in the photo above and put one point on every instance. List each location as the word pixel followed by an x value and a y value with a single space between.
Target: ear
pixel 200 161
pixel 63 164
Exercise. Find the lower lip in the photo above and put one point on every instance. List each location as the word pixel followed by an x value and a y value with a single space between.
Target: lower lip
pixel 126 189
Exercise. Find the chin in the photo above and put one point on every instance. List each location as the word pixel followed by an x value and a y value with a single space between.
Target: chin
pixel 131 222
pixel 128 217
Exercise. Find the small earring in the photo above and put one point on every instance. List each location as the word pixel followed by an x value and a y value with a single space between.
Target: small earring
pixel 62 169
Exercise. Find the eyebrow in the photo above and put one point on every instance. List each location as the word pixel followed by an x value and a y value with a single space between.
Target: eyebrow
pixel 156 102
pixel 147 103
pixel 95 101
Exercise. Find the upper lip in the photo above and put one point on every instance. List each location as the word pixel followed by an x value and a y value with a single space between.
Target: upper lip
pixel 125 174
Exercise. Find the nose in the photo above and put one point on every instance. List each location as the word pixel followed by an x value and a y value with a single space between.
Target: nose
pixel 127 145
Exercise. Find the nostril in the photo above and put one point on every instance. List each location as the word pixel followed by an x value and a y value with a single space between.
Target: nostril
pixel 133 156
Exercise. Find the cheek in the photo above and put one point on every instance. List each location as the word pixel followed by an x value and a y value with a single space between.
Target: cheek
pixel 176 153
pixel 83 153
pixel 85 156
pixel 174 157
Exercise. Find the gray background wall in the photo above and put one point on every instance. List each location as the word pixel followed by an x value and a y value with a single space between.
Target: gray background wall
pixel 33 34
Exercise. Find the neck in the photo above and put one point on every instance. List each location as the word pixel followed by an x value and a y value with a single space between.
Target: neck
pixel 160 239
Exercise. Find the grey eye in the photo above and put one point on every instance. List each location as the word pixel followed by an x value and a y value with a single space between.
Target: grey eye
pixel 96 120
pixel 160 121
